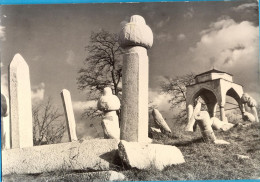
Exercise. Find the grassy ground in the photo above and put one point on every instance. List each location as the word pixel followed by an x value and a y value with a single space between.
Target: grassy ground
pixel 208 161
pixel 203 161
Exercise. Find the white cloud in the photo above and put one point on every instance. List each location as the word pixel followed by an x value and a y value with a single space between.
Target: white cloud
pixel 163 22
pixel 2 32
pixel 79 106
pixel 70 57
pixel 160 100
pixel 229 46
pixel 38 92
pixel 4 84
pixel 181 37
pixel 244 7
pixel 189 14
pixel 163 36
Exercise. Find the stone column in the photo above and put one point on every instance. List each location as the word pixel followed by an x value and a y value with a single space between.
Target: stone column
pixel 71 124
pixel 21 104
pixel 5 123
pixel 222 112
pixel 189 111
pixel 135 37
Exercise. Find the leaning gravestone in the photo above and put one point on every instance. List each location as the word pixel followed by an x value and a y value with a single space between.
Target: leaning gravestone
pixel 71 124
pixel 21 104
pixel 160 122
pixel 135 37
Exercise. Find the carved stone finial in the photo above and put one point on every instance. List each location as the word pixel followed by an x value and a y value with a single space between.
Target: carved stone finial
pixel 136 33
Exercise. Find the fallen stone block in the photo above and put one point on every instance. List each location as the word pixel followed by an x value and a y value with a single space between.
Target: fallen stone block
pixel 145 156
pixel 95 154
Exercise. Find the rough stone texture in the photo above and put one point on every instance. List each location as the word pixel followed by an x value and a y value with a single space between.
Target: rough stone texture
pixel 96 154
pixel 143 155
pixel 158 119
pixel 136 33
pixel 110 125
pixel 135 38
pixel 68 110
pixel 220 125
pixel 5 123
pixel 20 102
pixel 108 101
pixel 204 122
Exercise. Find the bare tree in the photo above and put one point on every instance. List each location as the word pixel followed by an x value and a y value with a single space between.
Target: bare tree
pixel 48 125
pixel 176 87
pixel 102 68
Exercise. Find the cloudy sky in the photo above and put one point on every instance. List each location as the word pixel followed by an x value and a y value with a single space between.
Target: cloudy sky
pixel 188 37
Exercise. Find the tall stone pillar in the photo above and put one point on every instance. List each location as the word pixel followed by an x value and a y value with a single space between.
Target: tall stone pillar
pixel 21 103
pixel 135 37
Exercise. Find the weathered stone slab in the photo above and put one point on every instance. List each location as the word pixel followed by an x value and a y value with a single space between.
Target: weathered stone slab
pixel 144 156
pixel 21 104
pixel 96 154
pixel 68 110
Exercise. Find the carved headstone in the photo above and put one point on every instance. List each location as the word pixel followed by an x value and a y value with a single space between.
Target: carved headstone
pixel 135 37
pixel 109 104
pixel 21 104
pixel 71 124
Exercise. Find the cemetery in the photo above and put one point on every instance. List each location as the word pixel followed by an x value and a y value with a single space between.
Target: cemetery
pixel 126 152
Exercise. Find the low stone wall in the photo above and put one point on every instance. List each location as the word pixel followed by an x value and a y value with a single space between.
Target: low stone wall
pixel 95 154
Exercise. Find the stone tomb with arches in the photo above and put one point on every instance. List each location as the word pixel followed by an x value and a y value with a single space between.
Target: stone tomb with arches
pixel 213 87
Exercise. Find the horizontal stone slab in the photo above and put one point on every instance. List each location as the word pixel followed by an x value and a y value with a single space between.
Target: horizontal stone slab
pixel 86 176
pixel 95 154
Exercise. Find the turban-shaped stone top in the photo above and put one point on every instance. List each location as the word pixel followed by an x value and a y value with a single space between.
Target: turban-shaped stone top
pixel 136 33
pixel 246 98
pixel 108 101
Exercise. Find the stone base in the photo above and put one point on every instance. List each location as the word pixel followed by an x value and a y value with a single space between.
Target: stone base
pixel 145 155
pixel 95 154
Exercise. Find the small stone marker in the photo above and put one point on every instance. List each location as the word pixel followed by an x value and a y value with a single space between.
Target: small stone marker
pixel 135 37
pixel 158 119
pixel 109 104
pixel 5 123
pixel 21 104
pixel 71 124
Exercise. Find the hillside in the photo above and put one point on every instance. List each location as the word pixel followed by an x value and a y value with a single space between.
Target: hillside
pixel 203 161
